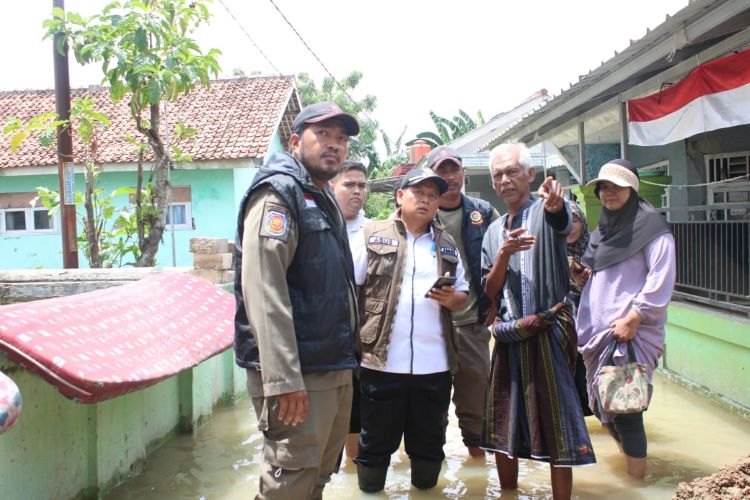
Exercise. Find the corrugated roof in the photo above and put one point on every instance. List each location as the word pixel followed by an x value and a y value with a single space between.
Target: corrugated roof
pixel 235 118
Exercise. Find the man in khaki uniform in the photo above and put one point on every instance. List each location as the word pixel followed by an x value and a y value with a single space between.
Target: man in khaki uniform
pixel 467 219
pixel 296 313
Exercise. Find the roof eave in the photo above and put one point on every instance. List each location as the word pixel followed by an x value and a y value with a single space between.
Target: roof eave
pixel 637 58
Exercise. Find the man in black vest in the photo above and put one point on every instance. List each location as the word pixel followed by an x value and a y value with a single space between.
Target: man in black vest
pixel 296 308
pixel 467 219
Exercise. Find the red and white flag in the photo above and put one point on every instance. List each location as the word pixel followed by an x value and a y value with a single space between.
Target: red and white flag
pixel 714 95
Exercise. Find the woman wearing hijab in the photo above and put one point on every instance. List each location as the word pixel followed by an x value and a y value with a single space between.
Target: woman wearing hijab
pixel 629 275
pixel 578 241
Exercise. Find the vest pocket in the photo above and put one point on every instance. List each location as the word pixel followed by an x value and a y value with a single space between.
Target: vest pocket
pixel 373 314
pixel 382 260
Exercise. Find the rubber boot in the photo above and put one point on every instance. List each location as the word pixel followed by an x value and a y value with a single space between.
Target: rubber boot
pixel 425 473
pixel 371 479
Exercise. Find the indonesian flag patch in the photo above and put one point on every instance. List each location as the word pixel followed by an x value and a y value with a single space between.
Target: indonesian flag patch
pixel 310 201
pixel 275 223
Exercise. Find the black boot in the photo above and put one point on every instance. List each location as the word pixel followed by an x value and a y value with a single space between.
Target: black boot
pixel 425 473
pixel 371 479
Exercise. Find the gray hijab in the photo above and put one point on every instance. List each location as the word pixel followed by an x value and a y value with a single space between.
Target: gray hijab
pixel 621 233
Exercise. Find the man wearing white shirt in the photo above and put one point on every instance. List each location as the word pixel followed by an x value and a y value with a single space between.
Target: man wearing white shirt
pixel 406 334
pixel 350 189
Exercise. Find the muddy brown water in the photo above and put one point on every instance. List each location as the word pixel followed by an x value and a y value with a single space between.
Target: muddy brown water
pixel 689 437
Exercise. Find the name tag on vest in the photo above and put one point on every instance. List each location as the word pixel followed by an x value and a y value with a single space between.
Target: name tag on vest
pixel 449 251
pixel 380 240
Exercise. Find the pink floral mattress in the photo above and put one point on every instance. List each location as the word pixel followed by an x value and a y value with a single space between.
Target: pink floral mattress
pixel 100 345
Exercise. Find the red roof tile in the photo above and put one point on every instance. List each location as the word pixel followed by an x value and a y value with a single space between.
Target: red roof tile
pixel 402 169
pixel 235 118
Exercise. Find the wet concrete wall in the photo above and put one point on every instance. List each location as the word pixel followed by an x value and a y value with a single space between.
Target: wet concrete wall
pixel 710 350
pixel 62 449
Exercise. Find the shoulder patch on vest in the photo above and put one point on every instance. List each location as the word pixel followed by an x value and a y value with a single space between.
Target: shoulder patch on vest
pixel 275 222
pixel 380 240
pixel 449 251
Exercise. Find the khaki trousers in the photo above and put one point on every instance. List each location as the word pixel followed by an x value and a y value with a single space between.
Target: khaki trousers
pixel 470 381
pixel 298 460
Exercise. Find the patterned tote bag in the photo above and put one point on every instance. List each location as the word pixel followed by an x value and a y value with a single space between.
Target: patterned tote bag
pixel 623 389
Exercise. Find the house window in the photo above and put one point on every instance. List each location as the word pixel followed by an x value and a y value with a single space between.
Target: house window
pixel 18 217
pixel 182 216
pixel 728 176
pixel 180 209
pixel 655 169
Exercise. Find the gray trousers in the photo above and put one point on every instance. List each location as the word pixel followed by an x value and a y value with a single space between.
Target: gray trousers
pixel 470 382
pixel 298 460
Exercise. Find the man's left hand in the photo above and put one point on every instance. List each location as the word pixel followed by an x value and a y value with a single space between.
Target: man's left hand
pixel 552 192
pixel 448 297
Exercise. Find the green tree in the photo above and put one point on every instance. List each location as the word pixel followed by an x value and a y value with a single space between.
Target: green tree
pixel 109 234
pixel 447 130
pixel 363 146
pixel 147 56
pixel 380 205
pixel 395 154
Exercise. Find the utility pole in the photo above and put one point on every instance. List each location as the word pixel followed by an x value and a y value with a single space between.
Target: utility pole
pixel 68 227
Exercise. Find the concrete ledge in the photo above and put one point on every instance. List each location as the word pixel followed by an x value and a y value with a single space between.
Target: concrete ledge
pixel 724 402
pixel 710 350
pixel 36 284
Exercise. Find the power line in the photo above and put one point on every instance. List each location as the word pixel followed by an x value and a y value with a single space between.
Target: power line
pixel 249 37
pixel 341 87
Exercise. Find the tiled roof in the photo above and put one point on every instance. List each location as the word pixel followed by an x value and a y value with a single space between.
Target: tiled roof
pixel 235 118
pixel 402 169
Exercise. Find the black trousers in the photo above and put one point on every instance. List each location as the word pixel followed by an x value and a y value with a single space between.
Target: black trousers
pixel 393 405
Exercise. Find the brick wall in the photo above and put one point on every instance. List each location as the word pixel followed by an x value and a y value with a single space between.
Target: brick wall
pixel 213 259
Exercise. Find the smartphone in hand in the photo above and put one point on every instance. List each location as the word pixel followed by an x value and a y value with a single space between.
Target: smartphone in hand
pixel 441 282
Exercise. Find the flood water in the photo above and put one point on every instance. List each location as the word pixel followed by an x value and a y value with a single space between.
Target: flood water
pixel 688 437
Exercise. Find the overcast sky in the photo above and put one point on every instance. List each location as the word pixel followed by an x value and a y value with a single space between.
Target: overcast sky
pixel 416 55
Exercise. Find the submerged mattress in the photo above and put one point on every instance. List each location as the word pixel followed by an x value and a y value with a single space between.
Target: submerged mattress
pixel 102 344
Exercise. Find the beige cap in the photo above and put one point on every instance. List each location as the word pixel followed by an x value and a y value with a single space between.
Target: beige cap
pixel 619 172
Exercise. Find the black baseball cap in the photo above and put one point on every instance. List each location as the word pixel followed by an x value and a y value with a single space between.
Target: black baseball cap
pixel 322 111
pixel 441 154
pixel 420 175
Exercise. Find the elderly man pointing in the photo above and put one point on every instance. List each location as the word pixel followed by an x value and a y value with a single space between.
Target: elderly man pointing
pixel 532 408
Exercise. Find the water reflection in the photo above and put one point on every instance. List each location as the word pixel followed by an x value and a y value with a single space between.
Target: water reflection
pixel 689 437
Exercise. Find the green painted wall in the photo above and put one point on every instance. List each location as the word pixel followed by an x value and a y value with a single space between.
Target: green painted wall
pixel 213 209
pixel 62 449
pixel 710 348
pixel 161 411
pixel 31 251
pixel 46 454
pixel 216 195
